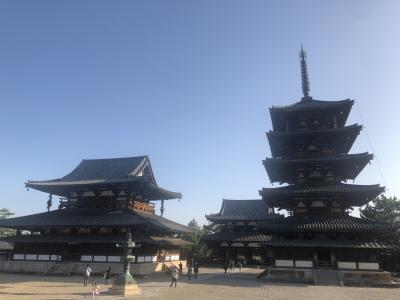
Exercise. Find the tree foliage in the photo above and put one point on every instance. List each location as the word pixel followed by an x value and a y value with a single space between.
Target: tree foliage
pixel 382 209
pixel 4 214
pixel 197 250
pixel 387 210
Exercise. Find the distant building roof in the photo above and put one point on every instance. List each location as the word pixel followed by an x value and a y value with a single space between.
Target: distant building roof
pixel 232 237
pixel 112 173
pixel 241 210
pixel 324 224
pixel 328 243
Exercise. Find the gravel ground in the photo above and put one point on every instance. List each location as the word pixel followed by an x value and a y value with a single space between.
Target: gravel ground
pixel 211 284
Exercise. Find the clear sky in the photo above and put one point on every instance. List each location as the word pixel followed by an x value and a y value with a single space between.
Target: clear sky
pixel 188 83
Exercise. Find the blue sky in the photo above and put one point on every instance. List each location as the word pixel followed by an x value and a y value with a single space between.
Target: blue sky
pixel 189 83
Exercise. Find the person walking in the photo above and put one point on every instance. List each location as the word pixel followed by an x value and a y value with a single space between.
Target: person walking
pixel 196 269
pixel 190 271
pixel 232 265
pixel 107 276
pixel 240 265
pixel 180 268
pixel 225 267
pixel 174 276
pixel 86 275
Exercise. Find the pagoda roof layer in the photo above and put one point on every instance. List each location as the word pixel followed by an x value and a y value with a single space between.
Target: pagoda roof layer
pixel 354 194
pixel 243 237
pixel 241 210
pixel 347 166
pixel 75 217
pixel 93 238
pixel 325 224
pixel 342 139
pixel 307 105
pixel 110 173
pixel 329 243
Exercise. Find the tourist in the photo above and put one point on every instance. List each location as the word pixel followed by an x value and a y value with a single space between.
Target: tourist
pixel 240 265
pixel 196 269
pixel 95 289
pixel 232 265
pixel 180 268
pixel 107 276
pixel 86 275
pixel 225 267
pixel 174 275
pixel 190 271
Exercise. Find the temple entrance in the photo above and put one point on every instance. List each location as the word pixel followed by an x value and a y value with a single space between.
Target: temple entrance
pixel 324 259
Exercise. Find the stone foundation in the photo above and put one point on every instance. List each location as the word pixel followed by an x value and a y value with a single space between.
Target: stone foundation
pixel 342 277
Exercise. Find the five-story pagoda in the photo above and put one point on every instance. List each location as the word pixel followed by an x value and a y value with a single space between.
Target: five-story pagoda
pixel 310 145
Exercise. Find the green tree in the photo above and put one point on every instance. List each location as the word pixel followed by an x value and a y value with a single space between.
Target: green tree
pixel 198 249
pixel 4 214
pixel 387 210
pixel 382 209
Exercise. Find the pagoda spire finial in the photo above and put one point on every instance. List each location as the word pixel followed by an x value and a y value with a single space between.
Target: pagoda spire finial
pixel 305 82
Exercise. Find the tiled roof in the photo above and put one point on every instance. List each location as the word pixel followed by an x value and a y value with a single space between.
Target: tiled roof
pixel 324 224
pixel 309 103
pixel 340 139
pixel 346 166
pixel 167 241
pixel 328 243
pixel 107 173
pixel 100 170
pixel 323 188
pixel 353 194
pixel 93 218
pixel 241 210
pixel 107 169
pixel 93 238
pixel 244 237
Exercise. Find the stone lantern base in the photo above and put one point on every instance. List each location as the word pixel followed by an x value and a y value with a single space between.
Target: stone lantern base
pixel 124 285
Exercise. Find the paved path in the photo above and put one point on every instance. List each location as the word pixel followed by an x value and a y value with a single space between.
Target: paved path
pixel 212 284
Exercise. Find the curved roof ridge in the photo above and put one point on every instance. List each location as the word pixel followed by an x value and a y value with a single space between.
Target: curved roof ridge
pixel 309 103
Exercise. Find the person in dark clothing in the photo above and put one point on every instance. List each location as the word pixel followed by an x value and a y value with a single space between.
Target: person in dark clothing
pixel 225 267
pixel 107 275
pixel 180 268
pixel 196 269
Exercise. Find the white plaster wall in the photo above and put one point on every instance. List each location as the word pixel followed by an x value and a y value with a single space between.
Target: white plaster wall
pixel 368 266
pixel 347 265
pixel 304 263
pixel 283 263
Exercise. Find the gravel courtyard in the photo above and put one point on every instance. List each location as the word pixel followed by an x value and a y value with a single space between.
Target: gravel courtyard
pixel 211 284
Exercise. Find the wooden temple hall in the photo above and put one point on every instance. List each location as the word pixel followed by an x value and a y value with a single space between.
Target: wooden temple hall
pixel 100 201
pixel 236 237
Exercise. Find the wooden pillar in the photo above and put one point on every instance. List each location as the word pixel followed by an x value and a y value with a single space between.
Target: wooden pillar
pixel 333 258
